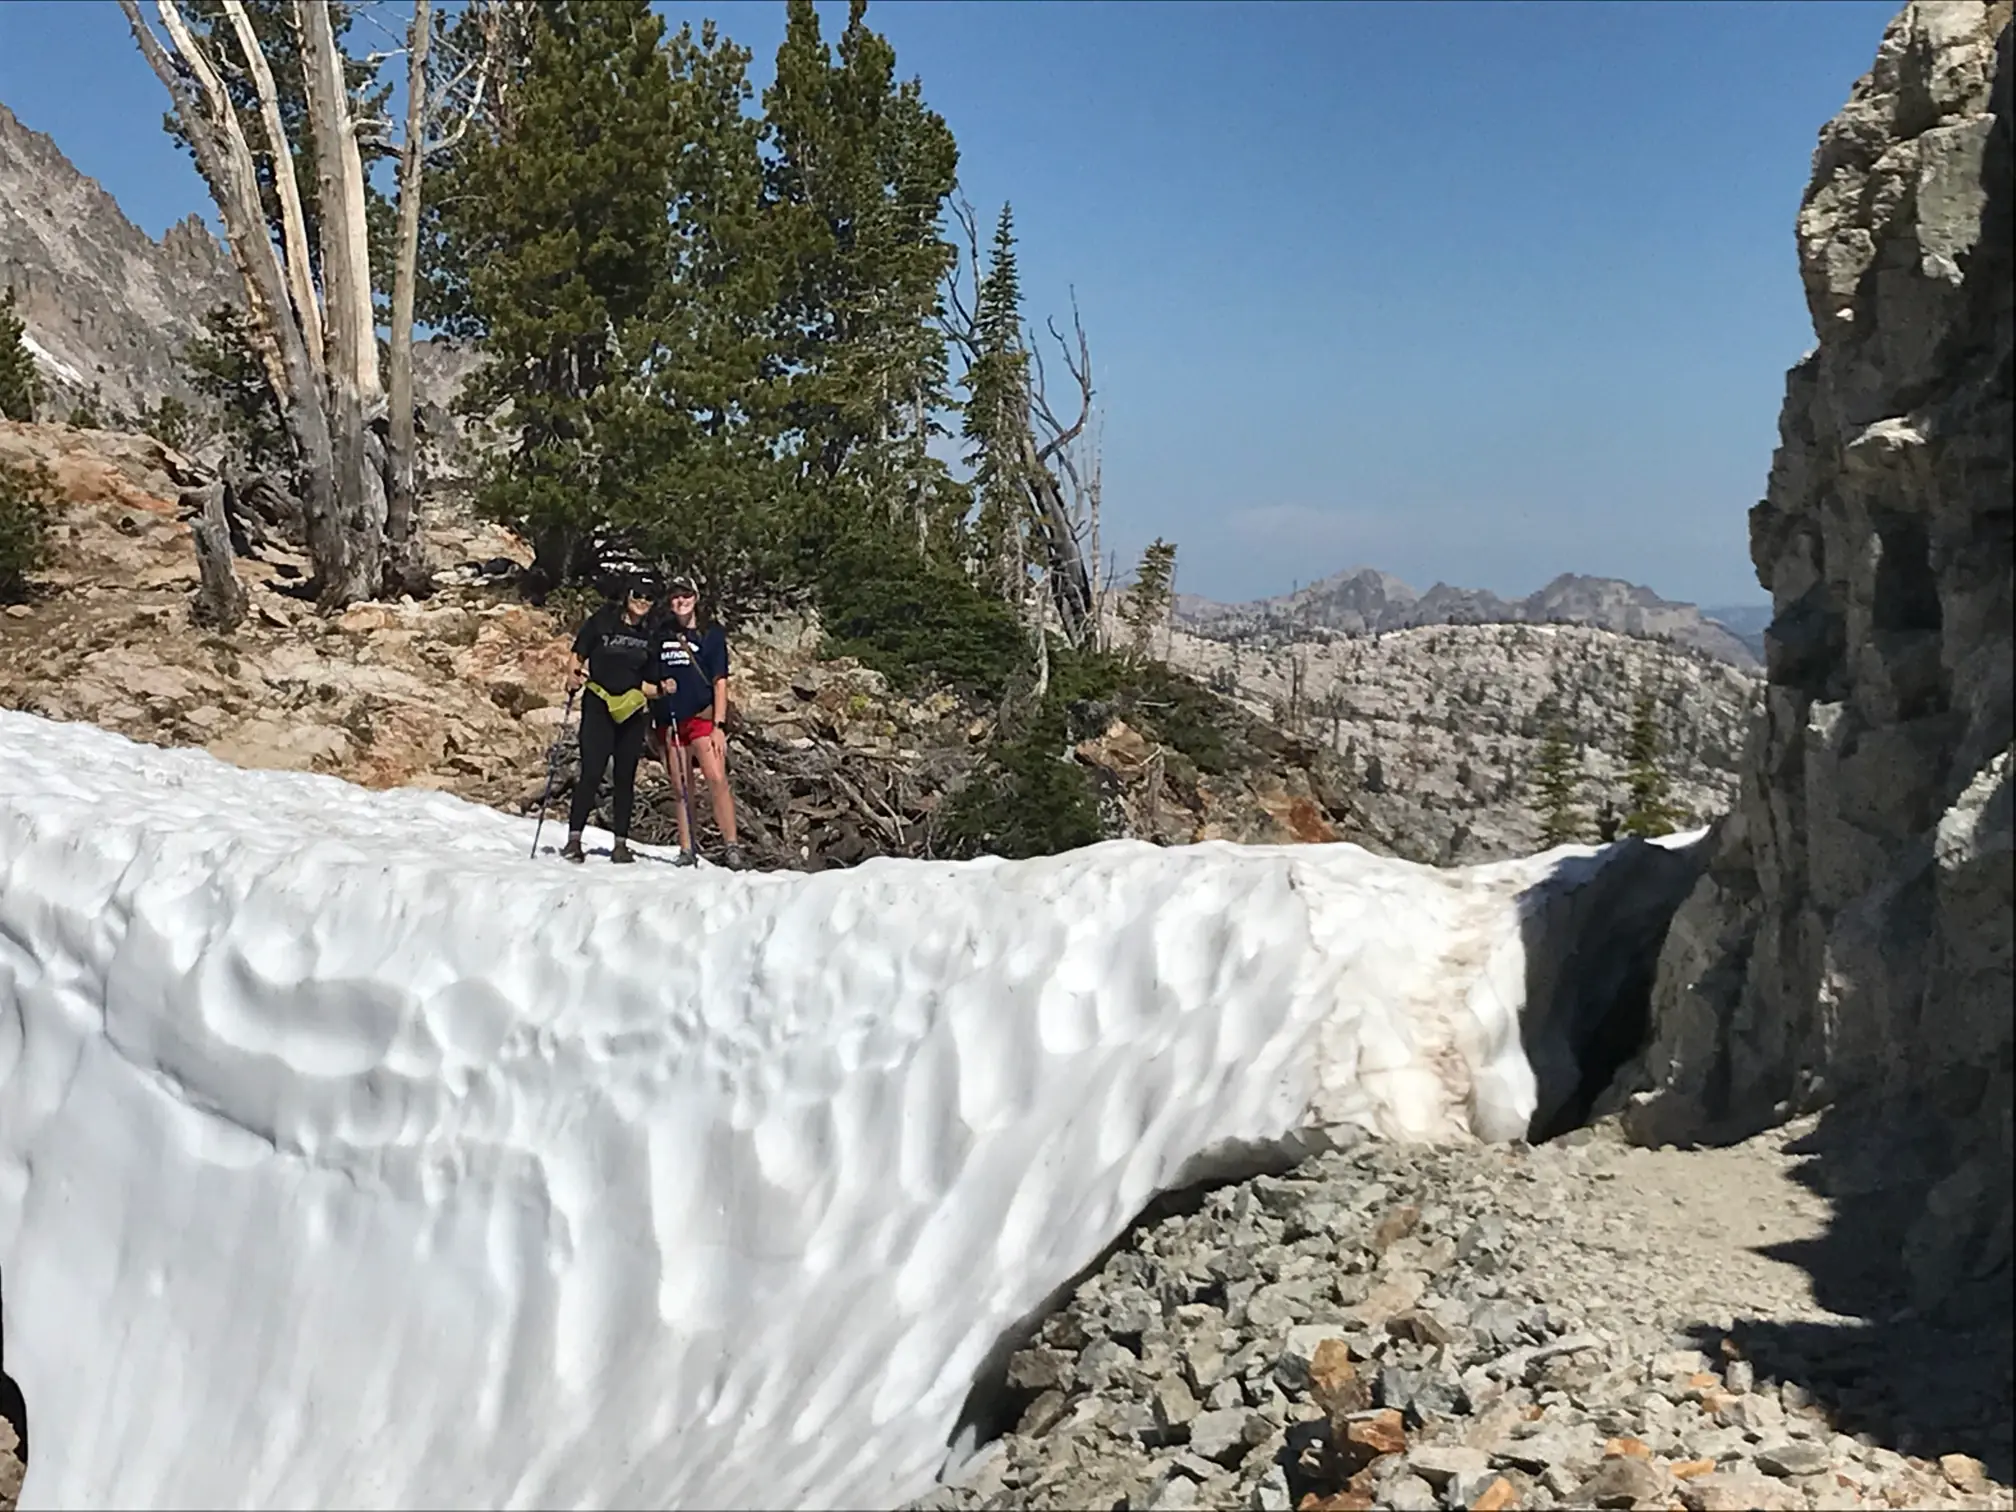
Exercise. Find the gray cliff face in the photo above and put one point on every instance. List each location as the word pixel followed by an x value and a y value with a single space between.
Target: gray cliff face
pixel 1365 601
pixel 106 304
pixel 1851 944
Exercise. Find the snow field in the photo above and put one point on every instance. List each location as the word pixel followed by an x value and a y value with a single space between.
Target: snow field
pixel 350 1157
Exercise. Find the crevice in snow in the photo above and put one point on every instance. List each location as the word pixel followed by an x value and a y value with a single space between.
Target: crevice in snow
pixel 1591 956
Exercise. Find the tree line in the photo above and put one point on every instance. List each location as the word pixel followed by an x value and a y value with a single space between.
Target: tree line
pixel 716 328
pixel 731 330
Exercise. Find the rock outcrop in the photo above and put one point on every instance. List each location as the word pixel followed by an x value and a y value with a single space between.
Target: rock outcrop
pixel 1366 601
pixel 105 306
pixel 1850 946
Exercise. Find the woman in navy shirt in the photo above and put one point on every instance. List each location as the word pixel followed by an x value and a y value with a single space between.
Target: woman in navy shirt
pixel 686 722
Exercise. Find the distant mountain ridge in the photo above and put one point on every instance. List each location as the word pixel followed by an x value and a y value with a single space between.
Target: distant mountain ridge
pixel 105 306
pixel 1364 600
pixel 107 310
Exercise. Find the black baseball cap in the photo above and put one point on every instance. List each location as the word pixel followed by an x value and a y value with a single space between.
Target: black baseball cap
pixel 639 585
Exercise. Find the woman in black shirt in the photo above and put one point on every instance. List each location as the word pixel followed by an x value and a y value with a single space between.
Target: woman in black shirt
pixel 615 656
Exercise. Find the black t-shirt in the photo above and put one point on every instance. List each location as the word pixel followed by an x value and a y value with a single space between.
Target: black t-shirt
pixel 620 655
pixel 692 676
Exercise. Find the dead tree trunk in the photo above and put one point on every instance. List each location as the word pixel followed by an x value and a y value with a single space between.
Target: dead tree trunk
pixel 1040 458
pixel 353 567
pixel 1063 558
pixel 225 160
pixel 405 564
pixel 220 597
pixel 320 350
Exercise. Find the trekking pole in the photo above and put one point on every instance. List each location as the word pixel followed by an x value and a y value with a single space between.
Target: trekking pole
pixel 552 767
pixel 685 786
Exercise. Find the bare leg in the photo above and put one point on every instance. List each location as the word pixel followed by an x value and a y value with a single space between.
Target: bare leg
pixel 715 769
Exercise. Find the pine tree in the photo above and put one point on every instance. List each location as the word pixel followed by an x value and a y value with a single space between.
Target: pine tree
pixel 858 172
pixel 84 414
pixel 28 502
pixel 20 386
pixel 224 369
pixel 1556 778
pixel 705 486
pixel 1147 602
pixel 1650 812
pixel 556 236
pixel 997 415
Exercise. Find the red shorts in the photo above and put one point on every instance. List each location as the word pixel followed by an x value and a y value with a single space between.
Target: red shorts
pixel 687 732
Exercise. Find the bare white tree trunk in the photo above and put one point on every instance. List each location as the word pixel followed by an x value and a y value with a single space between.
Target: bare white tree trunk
pixel 225 161
pixel 321 353
pixel 1094 468
pixel 354 566
pixel 405 566
pixel 293 223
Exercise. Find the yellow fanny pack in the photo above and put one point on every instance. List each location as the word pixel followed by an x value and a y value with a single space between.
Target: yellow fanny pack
pixel 621 705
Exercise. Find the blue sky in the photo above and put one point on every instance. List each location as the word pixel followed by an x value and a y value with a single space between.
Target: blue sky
pixel 1471 292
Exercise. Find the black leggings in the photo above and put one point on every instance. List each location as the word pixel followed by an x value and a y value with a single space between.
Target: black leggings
pixel 601 739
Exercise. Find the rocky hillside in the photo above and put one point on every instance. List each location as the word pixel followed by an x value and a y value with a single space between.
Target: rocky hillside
pixel 105 306
pixel 1363 600
pixel 463 692
pixel 1439 728
pixel 1850 945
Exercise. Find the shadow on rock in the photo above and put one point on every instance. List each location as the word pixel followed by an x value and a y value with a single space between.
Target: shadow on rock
pixel 1921 1386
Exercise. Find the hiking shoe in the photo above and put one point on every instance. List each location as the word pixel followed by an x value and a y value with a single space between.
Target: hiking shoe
pixel 571 851
pixel 621 853
pixel 732 858
pixel 685 858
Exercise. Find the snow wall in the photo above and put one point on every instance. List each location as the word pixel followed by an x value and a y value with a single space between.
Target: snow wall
pixel 348 1157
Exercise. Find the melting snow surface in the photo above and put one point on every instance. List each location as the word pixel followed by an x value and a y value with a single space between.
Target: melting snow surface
pixel 350 1157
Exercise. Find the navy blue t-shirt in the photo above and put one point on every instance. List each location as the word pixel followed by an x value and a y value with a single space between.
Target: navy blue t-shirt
pixel 692 676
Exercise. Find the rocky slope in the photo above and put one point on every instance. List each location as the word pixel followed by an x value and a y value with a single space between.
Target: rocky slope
pixel 1851 943
pixel 1579 1325
pixel 1439 728
pixel 104 305
pixel 1363 600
